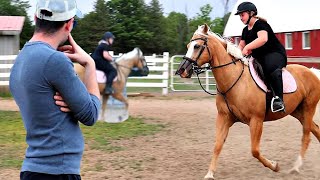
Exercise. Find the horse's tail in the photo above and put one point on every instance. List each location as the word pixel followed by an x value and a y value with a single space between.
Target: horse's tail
pixel 316 72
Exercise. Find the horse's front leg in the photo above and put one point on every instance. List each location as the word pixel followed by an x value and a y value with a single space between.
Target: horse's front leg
pixel 120 97
pixel 256 126
pixel 223 124
pixel 104 106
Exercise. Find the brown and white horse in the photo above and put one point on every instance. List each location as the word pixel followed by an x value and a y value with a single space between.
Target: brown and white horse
pixel 240 100
pixel 124 65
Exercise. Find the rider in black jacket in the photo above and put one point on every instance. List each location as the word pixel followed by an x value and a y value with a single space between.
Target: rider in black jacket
pixel 103 60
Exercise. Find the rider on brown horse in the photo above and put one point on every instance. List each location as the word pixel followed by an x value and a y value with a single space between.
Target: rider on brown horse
pixel 103 60
pixel 259 40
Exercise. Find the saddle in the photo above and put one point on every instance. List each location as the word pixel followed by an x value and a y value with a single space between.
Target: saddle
pixel 289 83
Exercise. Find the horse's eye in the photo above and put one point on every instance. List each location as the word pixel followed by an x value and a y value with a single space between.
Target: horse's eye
pixel 197 46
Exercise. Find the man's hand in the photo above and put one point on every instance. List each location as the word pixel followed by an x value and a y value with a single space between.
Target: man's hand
pixel 76 53
pixel 60 102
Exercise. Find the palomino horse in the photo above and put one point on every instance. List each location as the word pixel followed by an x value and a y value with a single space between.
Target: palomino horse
pixel 240 100
pixel 124 65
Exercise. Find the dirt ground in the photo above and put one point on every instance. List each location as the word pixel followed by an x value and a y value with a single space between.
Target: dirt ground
pixel 182 151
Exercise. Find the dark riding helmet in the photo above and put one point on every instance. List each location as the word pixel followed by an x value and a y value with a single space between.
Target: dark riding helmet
pixel 246 6
pixel 108 35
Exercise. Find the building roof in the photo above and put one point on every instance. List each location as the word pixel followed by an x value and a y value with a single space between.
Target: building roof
pixel 282 15
pixel 11 23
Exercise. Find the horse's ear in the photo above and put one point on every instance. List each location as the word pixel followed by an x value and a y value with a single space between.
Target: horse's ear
pixel 205 29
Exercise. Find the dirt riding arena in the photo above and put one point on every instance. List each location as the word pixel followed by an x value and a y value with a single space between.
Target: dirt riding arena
pixel 182 151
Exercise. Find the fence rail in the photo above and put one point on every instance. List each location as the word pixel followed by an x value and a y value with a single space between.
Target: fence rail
pixel 159 71
pixel 6 63
pixel 158 67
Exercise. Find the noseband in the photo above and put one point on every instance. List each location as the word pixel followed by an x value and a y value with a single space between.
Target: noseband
pixel 199 70
pixel 194 62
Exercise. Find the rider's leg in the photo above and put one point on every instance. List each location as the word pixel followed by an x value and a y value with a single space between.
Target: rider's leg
pixel 277 86
pixel 111 73
pixel 273 64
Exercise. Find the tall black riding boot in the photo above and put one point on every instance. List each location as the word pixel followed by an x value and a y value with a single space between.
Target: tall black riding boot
pixel 277 87
pixel 108 89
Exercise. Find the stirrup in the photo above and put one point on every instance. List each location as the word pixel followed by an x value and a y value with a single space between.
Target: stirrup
pixel 276 110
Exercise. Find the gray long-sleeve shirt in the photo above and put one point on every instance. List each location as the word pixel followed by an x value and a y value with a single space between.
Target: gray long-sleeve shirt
pixel 54 138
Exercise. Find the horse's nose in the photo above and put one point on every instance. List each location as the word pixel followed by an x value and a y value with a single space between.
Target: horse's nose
pixel 180 71
pixel 145 70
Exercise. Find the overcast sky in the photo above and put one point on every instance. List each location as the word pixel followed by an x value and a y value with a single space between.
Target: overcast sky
pixel 189 7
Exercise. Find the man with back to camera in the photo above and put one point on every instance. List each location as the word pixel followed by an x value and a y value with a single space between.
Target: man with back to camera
pixel 42 78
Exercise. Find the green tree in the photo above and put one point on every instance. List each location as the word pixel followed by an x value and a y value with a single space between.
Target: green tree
pixel 130 24
pixel 18 8
pixel 217 25
pixel 176 33
pixel 201 18
pixel 91 28
pixel 156 27
pixel 225 19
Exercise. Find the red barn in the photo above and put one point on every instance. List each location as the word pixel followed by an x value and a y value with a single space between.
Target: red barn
pixel 295 24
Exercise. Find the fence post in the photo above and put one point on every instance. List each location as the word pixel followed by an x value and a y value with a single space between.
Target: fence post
pixel 165 73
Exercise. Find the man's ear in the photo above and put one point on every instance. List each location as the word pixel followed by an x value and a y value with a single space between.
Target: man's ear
pixel 69 25
pixel 35 18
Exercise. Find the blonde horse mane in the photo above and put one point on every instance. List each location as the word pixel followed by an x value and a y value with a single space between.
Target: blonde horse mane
pixel 232 49
pixel 130 55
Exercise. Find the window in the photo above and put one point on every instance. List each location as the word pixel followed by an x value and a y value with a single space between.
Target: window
pixel 288 40
pixel 306 40
pixel 236 40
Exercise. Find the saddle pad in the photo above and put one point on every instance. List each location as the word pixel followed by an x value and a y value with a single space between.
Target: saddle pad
pixel 289 83
pixel 101 77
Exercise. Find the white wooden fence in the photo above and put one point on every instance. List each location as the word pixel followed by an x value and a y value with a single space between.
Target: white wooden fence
pixel 6 63
pixel 158 67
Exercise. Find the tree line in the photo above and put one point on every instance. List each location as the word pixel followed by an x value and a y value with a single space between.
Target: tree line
pixel 133 22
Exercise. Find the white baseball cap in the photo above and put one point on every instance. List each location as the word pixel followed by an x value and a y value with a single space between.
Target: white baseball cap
pixel 61 10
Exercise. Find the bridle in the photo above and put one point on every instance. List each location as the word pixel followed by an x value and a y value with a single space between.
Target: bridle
pixel 199 70
pixel 203 47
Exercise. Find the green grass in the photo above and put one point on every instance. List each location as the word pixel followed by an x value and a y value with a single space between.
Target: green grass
pixel 12 140
pixel 100 136
pixel 5 95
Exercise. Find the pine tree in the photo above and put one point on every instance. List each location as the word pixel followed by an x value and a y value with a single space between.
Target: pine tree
pixel 129 18
pixel 176 33
pixel 91 28
pixel 156 26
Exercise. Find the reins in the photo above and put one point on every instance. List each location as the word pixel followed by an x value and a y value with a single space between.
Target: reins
pixel 199 70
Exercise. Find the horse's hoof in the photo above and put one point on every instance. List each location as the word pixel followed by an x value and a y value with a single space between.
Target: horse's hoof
pixel 209 176
pixel 294 171
pixel 275 166
pixel 277 169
